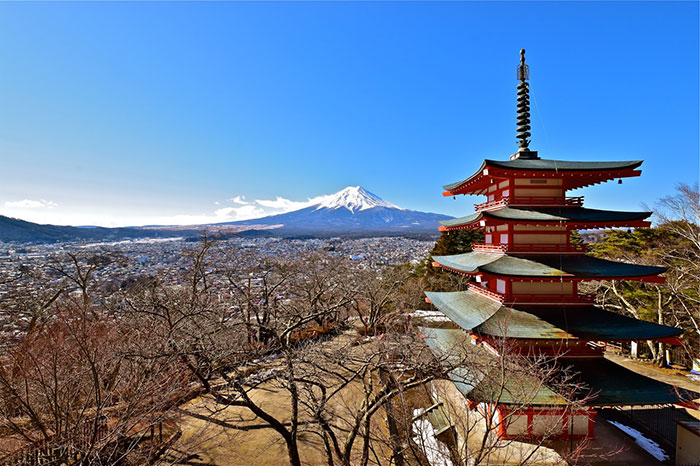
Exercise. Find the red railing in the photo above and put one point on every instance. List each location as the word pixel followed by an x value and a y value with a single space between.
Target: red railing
pixel 576 201
pixel 486 292
pixel 530 248
pixel 551 299
pixel 483 247
pixel 532 298
pixel 490 205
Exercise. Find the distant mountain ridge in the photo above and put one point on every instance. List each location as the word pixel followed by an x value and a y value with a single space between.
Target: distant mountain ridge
pixel 14 229
pixel 350 210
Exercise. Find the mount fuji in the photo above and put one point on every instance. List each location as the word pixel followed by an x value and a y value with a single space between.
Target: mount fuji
pixel 352 210
pixel 349 212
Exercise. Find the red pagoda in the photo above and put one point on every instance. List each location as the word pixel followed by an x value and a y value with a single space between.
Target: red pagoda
pixel 526 278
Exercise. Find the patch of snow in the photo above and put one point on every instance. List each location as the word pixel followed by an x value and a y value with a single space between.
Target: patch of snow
pixel 436 453
pixel 132 241
pixel 435 316
pixel 353 198
pixel 693 377
pixel 648 445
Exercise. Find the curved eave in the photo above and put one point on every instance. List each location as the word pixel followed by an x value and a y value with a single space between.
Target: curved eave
pixel 551 165
pixel 552 267
pixel 573 225
pixel 452 347
pixel 574 174
pixel 473 312
pixel 605 383
pixel 457 185
pixel 575 217
pixel 594 323
pixel 461 223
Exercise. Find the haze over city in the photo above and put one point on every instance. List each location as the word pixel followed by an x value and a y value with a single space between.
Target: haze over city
pixel 121 114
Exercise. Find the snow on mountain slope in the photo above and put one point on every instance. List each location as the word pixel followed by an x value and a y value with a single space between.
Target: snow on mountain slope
pixel 350 210
pixel 354 198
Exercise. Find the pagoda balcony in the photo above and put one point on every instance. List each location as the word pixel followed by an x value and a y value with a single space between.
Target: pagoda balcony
pixel 532 298
pixel 498 297
pixel 550 299
pixel 483 247
pixel 531 248
pixel 556 201
pixel 490 205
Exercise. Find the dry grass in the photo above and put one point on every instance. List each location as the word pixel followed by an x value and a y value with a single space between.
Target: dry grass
pixel 218 435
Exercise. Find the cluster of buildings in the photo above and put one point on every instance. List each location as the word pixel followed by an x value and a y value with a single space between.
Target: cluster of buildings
pixel 26 269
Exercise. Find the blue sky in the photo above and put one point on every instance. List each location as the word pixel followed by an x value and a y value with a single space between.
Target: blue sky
pixel 137 113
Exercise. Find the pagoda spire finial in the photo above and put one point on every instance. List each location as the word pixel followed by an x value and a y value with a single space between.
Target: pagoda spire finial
pixel 523 120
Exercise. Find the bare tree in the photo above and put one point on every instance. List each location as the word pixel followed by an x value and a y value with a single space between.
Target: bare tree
pixel 673 243
pixel 71 389
pixel 680 214
pixel 225 347
pixel 347 385
pixel 502 384
pixel 376 297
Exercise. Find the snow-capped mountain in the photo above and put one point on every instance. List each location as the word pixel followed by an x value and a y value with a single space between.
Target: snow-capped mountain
pixel 350 210
pixel 354 198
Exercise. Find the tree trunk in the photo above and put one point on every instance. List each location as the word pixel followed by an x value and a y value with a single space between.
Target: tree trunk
pixel 293 452
pixel 394 434
pixel 661 358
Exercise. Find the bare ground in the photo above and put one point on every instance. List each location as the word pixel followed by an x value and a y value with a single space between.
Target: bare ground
pixel 228 435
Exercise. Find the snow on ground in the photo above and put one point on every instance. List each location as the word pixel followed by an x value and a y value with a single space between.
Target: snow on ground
pixel 694 377
pixel 436 453
pixel 650 446
pixel 435 316
pixel 133 241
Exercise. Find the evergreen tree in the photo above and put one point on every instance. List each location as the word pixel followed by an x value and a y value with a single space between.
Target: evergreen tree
pixel 456 242
pixel 452 242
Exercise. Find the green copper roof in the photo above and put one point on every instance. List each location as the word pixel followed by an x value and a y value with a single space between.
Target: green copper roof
pixel 464 308
pixel 480 378
pixel 548 165
pixel 474 312
pixel 549 214
pixel 594 323
pixel 579 266
pixel 610 384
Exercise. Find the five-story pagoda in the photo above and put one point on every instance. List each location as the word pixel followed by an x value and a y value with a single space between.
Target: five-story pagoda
pixel 526 282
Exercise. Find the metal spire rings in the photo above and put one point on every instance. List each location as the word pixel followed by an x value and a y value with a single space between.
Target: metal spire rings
pixel 523 104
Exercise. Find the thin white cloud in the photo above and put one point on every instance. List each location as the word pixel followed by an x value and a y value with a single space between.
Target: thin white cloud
pixel 240 213
pixel 240 200
pixel 243 210
pixel 286 205
pixel 31 204
pixel 238 208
